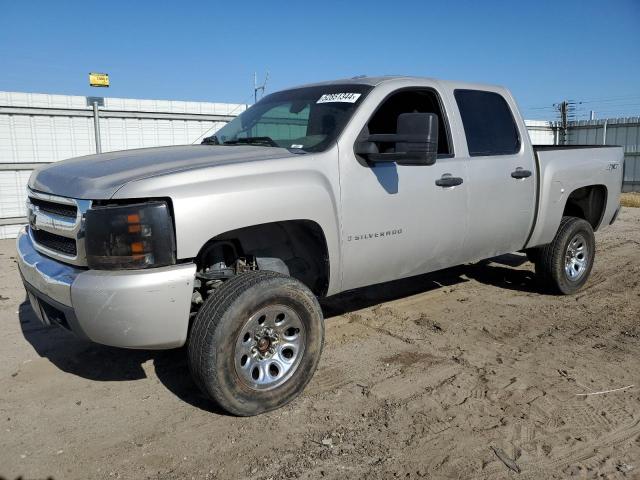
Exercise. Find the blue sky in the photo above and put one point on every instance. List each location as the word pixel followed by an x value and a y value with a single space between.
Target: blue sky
pixel 544 51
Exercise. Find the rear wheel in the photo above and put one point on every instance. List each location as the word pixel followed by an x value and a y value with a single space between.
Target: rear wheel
pixel 565 264
pixel 256 342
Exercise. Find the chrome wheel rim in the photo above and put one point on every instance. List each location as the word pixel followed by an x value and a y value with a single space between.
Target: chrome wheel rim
pixel 576 258
pixel 269 347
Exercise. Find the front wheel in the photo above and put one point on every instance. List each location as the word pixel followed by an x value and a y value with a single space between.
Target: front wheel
pixel 564 265
pixel 256 342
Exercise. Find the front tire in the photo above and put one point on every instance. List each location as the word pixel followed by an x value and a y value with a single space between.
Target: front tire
pixel 256 342
pixel 565 264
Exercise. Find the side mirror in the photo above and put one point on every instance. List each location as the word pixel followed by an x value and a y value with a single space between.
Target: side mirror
pixel 415 143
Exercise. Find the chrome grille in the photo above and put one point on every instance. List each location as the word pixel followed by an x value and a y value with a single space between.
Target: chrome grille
pixel 55 242
pixel 70 211
pixel 56 226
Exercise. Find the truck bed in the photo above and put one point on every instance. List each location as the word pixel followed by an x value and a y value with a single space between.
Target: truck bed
pixel 537 148
pixel 561 170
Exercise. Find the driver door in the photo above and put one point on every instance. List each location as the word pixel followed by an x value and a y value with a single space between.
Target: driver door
pixel 397 222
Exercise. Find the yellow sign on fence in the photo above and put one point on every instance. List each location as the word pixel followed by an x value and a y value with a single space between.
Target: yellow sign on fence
pixel 99 79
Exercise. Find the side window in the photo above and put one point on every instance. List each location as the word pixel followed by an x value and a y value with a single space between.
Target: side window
pixel 385 119
pixel 488 123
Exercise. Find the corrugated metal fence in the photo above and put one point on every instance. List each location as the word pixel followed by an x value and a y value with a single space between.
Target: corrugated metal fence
pixel 541 132
pixel 41 128
pixel 613 131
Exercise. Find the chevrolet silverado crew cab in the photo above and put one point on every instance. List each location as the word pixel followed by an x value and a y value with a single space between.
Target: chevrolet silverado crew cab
pixel 226 246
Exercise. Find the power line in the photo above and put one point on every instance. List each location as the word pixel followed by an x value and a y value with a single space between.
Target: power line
pixel 611 99
pixel 256 88
pixel 596 103
pixel 259 88
pixel 243 104
pixel 612 107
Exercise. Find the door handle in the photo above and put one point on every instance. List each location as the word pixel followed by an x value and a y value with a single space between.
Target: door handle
pixel 519 173
pixel 448 181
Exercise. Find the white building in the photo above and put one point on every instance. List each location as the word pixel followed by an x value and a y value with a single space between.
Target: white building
pixel 40 128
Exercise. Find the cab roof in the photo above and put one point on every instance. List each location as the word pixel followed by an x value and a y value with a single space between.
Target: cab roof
pixel 400 79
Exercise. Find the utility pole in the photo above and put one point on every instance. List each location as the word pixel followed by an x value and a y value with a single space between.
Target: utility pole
pixel 257 88
pixel 566 111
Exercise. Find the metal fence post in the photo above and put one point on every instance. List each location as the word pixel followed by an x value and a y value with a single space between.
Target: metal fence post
pixel 96 102
pixel 96 127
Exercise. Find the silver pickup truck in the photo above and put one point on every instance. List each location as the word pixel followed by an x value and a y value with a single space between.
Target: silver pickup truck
pixel 227 245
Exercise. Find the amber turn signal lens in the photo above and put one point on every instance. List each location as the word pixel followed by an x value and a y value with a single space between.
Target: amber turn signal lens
pixel 137 247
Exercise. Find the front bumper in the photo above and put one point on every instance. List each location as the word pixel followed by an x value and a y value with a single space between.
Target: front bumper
pixel 131 309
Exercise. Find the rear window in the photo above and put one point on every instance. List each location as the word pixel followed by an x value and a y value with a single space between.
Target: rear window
pixel 488 123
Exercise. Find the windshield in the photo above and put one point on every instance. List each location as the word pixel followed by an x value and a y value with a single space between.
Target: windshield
pixel 308 119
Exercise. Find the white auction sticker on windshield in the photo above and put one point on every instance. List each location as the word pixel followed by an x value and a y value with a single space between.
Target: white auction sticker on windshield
pixel 339 97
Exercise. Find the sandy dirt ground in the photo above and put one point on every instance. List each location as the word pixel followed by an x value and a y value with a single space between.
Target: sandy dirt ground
pixel 420 378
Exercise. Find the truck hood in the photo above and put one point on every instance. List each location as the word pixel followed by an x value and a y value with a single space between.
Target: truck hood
pixel 95 177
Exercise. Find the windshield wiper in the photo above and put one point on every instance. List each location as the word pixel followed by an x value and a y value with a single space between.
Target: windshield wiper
pixel 252 141
pixel 212 140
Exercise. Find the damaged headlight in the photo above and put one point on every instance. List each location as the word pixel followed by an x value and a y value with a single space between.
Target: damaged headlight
pixel 129 236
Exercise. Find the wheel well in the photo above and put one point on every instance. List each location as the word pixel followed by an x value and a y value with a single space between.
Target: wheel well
pixel 300 244
pixel 588 203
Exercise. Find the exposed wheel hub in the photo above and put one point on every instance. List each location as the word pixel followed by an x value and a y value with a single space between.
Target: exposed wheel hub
pixel 269 347
pixel 263 344
pixel 265 341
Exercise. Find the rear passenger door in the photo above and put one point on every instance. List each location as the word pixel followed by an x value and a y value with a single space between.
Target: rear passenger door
pixel 501 171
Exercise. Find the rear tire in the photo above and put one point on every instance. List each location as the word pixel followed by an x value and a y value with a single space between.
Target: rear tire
pixel 565 264
pixel 256 342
